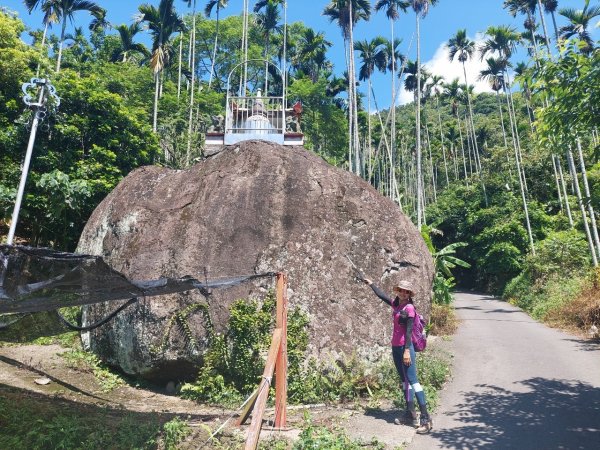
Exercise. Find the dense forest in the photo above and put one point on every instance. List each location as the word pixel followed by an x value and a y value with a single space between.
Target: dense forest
pixel 510 181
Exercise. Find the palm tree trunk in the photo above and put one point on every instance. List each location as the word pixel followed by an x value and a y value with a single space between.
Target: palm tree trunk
pixel 155 111
pixel 564 191
pixel 350 109
pixel 354 105
pixel 214 53
pixel 504 132
pixel 470 150
pixel 60 44
pixel 433 180
pixel 454 160
pixel 419 174
pixel 534 39
pixel 37 71
pixel 369 150
pixel 557 180
pixel 588 197
pixel 437 101
pixel 393 98
pixel 475 144
pixel 514 123
pixel 543 19
pixel 192 86
pixel 582 207
pixel 555 28
pixel 179 68
pixel 525 207
pixel 462 145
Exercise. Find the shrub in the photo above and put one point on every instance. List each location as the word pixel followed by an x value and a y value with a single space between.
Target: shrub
pixel 174 432
pixel 224 379
pixel 442 321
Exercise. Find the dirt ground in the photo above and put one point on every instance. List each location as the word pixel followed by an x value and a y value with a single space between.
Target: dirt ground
pixel 23 367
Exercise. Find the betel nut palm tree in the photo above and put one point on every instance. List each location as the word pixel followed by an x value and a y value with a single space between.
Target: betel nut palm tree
pixel 550 7
pixel 502 40
pixel 579 24
pixel 127 46
pixel 216 5
pixel 392 10
pixel 267 20
pixel 310 57
pixel 463 48
pixel 64 10
pixel 421 8
pixel 162 22
pixel 48 7
pixel 373 56
pixel 347 13
pixel 528 8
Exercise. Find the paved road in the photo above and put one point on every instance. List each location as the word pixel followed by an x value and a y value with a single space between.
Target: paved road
pixel 516 384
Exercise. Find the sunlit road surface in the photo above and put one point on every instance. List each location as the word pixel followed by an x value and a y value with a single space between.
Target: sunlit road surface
pixel 516 384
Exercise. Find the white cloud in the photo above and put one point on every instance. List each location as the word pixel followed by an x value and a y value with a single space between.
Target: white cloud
pixel 440 65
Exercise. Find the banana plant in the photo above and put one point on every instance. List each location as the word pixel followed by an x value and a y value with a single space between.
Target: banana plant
pixel 444 261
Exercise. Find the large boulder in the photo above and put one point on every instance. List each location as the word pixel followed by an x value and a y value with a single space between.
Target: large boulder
pixel 252 208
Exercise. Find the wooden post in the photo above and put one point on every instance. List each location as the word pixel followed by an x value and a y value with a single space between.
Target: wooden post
pixel 282 362
pixel 263 393
pixel 276 361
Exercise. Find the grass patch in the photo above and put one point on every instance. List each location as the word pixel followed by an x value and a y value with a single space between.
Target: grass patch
pixel 580 314
pixel 82 360
pixel 28 423
pixel 320 437
pixel 571 303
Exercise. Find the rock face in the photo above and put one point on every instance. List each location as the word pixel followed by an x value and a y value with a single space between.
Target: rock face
pixel 252 208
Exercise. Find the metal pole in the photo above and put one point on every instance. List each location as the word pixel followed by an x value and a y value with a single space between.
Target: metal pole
pixel 25 171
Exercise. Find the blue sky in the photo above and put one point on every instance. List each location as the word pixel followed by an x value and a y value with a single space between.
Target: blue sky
pixel 442 22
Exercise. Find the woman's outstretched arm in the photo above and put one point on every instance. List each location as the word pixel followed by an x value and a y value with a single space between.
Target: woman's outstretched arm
pixel 379 292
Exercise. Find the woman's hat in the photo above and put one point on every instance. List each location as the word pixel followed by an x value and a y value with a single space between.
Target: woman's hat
pixel 404 285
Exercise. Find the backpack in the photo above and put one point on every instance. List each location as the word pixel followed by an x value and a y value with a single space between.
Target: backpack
pixel 419 335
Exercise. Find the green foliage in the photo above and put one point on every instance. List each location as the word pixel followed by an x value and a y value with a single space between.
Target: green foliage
pixel 234 361
pixel 571 82
pixel 28 423
pixel 319 437
pixel 444 261
pixel 322 119
pixel 99 134
pixel 83 360
pixel 175 431
pixel 551 276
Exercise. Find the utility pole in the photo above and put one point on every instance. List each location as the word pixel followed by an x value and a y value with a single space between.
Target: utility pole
pixel 45 92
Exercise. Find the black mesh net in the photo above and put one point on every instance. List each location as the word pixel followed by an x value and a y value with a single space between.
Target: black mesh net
pixel 34 280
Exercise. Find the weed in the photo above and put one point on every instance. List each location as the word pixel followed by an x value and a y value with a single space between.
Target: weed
pixel 319 437
pixel 27 423
pixel 443 321
pixel 79 359
pixel 174 432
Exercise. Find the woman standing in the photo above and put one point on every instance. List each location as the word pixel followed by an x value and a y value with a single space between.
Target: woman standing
pixel 403 352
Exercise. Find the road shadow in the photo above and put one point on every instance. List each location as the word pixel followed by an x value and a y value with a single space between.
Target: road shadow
pixel 388 415
pixel 553 414
pixel 587 345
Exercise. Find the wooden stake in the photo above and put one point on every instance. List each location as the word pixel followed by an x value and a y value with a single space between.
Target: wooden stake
pixel 263 393
pixel 282 362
